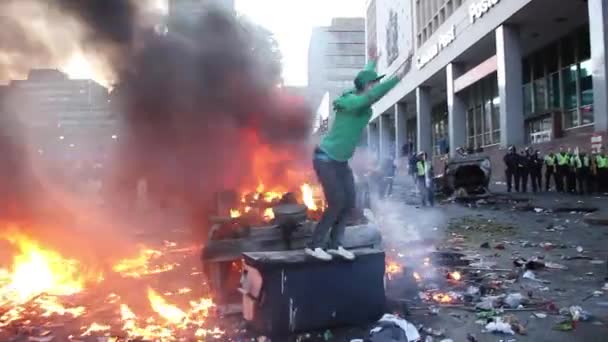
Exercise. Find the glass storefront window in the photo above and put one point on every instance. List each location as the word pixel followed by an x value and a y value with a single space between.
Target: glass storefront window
pixel 540 89
pixel 496 119
pixel 539 130
pixel 554 97
pixel 587 115
pixel 571 119
pixel 586 83
pixel 527 90
pixel 569 78
pixel 483 115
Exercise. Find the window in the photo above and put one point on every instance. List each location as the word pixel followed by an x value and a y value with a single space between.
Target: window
pixel 539 130
pixel 586 84
pixel 483 115
pixel 569 78
pixel 540 91
pixel 439 137
pixel 527 90
pixel 553 90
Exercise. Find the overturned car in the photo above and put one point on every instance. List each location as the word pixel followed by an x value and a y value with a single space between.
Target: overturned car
pixel 466 176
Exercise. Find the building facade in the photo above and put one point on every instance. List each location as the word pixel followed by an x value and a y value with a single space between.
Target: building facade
pixel 336 54
pixel 61 117
pixel 487 74
pixel 186 13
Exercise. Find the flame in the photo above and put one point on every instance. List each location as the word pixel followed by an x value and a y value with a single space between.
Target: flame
pixel 234 213
pixel 268 214
pixel 168 311
pixel 455 276
pixel 36 270
pixel 444 298
pixel 393 268
pixel 142 265
pixel 307 196
pixel 95 327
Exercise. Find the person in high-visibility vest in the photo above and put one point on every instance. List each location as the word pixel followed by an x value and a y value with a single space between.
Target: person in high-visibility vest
pixel 550 164
pixel 601 161
pixel 563 162
pixel 582 164
pixel 424 176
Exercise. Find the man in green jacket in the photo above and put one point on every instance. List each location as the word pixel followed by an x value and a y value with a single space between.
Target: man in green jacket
pixel 353 110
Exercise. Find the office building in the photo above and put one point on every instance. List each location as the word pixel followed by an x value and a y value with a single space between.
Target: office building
pixel 487 74
pixel 58 114
pixel 336 54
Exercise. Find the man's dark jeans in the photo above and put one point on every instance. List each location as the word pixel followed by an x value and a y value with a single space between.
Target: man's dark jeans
pixel 339 188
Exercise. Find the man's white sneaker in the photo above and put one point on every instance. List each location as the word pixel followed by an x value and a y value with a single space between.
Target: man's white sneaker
pixel 343 253
pixel 318 253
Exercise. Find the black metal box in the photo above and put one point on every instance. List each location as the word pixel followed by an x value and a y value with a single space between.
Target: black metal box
pixel 289 292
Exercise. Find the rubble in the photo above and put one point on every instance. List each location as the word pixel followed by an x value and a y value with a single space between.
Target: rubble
pixel 499 326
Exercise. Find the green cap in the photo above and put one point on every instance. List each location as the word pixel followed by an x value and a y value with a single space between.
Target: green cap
pixel 366 76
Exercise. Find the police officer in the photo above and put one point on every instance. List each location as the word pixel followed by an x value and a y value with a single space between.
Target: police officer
pixel 536 171
pixel 562 169
pixel 602 171
pixel 525 168
pixel 511 160
pixel 582 164
pixel 550 163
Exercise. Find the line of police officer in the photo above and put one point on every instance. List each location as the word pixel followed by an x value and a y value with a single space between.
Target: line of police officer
pixel 572 171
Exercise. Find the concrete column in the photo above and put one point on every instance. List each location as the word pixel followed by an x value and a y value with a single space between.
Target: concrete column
pixel 598 21
pixel 457 112
pixel 385 136
pixel 423 119
pixel 400 127
pixel 509 70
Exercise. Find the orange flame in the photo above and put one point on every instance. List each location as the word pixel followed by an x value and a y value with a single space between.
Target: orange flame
pixel 234 213
pixel 168 311
pixel 307 196
pixel 268 214
pixel 455 275
pixel 36 270
pixel 142 265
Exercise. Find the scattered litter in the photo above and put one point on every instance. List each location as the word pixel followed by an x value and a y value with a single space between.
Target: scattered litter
pixel 529 275
pixel 547 245
pixel 579 249
pixel 539 315
pixel 397 328
pixel 499 326
pixel 472 338
pixel 328 336
pixel 597 262
pixel 565 326
pixel 539 210
pixel 485 245
pixel 447 340
pixel 500 246
pixel 598 293
pixel 555 266
pixel 514 300
pixel 605 287
pixel 515 324
pixel 429 339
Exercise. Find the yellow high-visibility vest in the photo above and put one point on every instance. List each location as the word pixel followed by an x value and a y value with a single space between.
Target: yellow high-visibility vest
pixel 421 168
pixel 550 161
pixel 562 159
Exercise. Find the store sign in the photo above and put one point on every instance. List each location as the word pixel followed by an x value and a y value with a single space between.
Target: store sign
pixel 432 52
pixel 478 9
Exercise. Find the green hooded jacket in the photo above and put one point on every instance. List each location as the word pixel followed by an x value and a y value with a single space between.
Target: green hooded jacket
pixel 352 114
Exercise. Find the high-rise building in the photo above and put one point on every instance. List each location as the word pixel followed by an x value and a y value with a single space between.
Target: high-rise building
pixel 61 114
pixel 336 54
pixel 487 74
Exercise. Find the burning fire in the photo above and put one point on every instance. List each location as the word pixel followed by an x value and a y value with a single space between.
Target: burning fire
pixel 141 265
pixel 268 214
pixel 455 276
pixel 444 298
pixel 393 268
pixel 35 271
pixel 41 285
pixel 170 312
pixel 234 213
pixel 307 196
